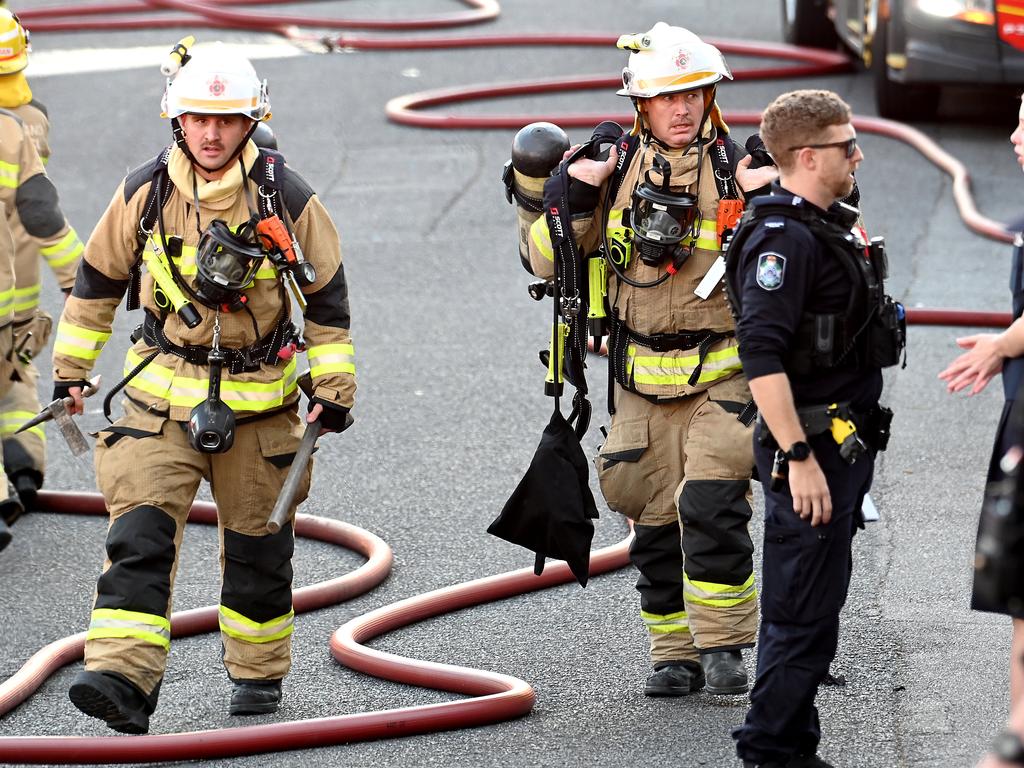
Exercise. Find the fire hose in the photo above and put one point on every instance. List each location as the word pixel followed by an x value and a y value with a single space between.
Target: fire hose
pixel 495 697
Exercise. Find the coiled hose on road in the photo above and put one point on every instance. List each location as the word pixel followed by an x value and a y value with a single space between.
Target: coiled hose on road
pixel 494 697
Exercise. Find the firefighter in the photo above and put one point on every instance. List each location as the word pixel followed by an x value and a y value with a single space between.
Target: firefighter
pixel 36 215
pixel 211 386
pixel 8 358
pixel 815 330
pixel 677 459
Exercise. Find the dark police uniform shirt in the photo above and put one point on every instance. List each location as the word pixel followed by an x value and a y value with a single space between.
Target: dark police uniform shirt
pixel 783 272
pixel 1013 367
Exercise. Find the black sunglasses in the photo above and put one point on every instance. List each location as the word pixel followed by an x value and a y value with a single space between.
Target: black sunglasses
pixel 849 145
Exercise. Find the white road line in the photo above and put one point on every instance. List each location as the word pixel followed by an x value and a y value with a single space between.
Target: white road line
pixel 82 60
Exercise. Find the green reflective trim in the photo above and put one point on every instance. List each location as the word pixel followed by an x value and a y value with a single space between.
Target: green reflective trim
pixel 233 624
pixel 64 252
pixel 26 298
pixel 718 595
pixel 663 624
pixel 666 369
pixel 331 358
pixel 11 421
pixel 541 238
pixel 112 622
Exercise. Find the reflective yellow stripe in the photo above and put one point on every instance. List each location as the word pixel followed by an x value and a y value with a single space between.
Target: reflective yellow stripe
pixel 541 238
pixel 331 358
pixel 64 252
pixel 11 421
pixel 112 622
pixel 707 237
pixel 26 298
pixel 154 379
pixel 718 595
pixel 187 392
pixel 663 624
pixel 9 173
pixel 6 302
pixel 186 264
pixel 235 625
pixel 75 341
pixel 664 369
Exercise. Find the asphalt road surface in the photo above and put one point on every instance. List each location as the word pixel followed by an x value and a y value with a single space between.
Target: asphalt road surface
pixel 451 405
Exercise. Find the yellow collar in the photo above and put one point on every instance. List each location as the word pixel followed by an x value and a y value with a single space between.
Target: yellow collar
pixel 222 190
pixel 14 90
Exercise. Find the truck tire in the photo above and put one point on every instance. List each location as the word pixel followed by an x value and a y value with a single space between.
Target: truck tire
pixel 806 22
pixel 896 100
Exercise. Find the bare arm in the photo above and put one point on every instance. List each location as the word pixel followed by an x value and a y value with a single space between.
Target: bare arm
pixel 807 484
pixel 984 358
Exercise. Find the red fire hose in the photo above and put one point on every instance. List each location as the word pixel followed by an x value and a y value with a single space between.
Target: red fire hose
pixel 495 697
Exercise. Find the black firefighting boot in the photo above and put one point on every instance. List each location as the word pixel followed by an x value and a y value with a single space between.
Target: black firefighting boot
pixel 255 697
pixel 27 484
pixel 111 697
pixel 725 672
pixel 11 507
pixel 5 535
pixel 675 678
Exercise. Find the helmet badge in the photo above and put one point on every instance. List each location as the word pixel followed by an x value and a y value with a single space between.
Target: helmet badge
pixel 217 86
pixel 682 59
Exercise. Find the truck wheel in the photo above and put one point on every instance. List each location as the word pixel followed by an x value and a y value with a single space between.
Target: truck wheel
pixel 893 99
pixel 806 22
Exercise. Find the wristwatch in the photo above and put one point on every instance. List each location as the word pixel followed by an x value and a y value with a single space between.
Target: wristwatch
pixel 1009 748
pixel 798 451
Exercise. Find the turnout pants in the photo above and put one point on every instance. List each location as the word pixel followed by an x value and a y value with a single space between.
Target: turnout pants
pixel 806 575
pixel 681 470
pixel 25 452
pixel 149 474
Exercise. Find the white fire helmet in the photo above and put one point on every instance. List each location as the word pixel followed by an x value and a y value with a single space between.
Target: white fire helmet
pixel 669 59
pixel 216 81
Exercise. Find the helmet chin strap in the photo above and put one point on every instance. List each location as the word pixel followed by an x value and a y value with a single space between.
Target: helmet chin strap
pixel 178 134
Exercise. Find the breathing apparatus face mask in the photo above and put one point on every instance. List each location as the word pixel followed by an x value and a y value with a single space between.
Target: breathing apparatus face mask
pixel 660 218
pixel 226 263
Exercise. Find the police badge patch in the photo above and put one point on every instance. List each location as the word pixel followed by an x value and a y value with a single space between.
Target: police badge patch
pixel 771 268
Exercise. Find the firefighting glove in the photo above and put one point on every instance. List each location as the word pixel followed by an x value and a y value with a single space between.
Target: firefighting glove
pixel 759 156
pixel 62 389
pixel 334 417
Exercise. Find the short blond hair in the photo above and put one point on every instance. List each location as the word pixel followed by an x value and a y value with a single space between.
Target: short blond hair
pixel 798 118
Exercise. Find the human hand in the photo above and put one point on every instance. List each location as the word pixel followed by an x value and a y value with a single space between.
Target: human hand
pixel 975 367
pixel 991 761
pixel 809 489
pixel 62 389
pixel 750 179
pixel 332 418
pixel 593 172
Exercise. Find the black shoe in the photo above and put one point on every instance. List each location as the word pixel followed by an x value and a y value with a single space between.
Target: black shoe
pixel 807 761
pixel 725 672
pixel 113 699
pixel 752 764
pixel 675 678
pixel 255 697
pixel 5 535
pixel 27 484
pixel 11 508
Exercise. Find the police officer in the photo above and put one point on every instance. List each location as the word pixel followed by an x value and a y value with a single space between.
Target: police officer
pixel 677 457
pixel 211 391
pixel 814 329
pixel 35 213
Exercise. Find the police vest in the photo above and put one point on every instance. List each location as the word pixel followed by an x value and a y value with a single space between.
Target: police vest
pixel 871 332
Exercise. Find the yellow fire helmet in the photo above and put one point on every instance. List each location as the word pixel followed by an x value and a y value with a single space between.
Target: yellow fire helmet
pixel 216 81
pixel 669 59
pixel 14 43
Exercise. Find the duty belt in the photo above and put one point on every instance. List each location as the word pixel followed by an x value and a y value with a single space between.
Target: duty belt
pixel 847 426
pixel 244 360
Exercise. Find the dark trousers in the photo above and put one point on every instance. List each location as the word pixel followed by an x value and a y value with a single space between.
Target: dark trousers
pixel 805 577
